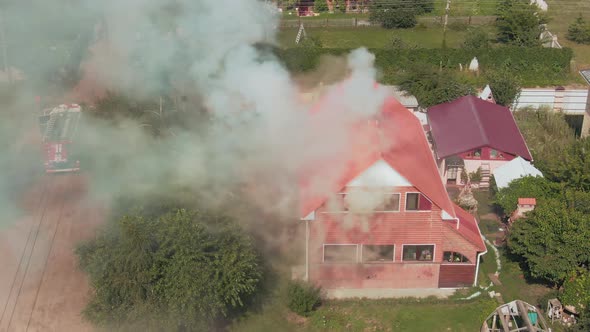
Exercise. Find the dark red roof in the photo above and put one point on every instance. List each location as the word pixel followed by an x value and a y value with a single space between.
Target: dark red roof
pixel 397 137
pixel 469 123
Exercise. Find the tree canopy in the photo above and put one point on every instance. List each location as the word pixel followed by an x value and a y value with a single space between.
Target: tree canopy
pixel 182 270
pixel 528 186
pixel 553 240
pixel 520 23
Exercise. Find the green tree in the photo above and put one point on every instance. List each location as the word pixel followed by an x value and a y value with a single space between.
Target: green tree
pixel 432 87
pixel 577 289
pixel 520 23
pixel 528 186
pixel 320 6
pixel 393 14
pixel 505 86
pixel 182 271
pixel 579 31
pixel 553 240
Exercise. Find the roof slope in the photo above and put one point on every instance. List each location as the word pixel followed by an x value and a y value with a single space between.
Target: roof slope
pixel 469 123
pixel 468 228
pixel 512 170
pixel 395 136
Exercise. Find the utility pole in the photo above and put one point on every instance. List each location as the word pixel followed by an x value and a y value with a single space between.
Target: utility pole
pixel 3 41
pixel 447 9
pixel 447 15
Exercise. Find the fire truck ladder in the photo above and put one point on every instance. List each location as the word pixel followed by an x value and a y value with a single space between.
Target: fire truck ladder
pixel 49 127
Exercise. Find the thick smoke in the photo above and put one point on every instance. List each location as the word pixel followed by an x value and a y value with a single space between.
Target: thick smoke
pixel 258 134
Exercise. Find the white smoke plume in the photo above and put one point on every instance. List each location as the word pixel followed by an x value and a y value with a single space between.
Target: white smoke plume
pixel 260 133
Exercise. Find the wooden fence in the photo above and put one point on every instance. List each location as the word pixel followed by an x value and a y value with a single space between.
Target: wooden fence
pixel 354 22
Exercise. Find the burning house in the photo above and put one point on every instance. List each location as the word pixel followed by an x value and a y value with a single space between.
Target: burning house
pixel 387 221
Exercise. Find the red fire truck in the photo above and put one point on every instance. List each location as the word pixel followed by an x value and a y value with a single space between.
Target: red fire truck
pixel 58 126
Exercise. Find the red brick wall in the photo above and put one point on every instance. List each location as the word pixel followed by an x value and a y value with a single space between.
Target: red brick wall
pixel 387 228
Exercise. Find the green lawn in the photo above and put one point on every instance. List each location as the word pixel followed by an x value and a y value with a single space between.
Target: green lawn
pixel 561 16
pixel 375 315
pixel 374 37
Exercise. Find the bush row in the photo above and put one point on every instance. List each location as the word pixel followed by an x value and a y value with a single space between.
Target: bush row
pixel 534 66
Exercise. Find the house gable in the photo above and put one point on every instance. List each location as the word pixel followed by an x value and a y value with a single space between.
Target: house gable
pixel 380 174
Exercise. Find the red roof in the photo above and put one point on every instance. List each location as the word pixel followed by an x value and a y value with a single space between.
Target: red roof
pixel 397 137
pixel 468 228
pixel 527 201
pixel 469 123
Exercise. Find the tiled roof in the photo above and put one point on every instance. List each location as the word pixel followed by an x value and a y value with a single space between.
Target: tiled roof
pixel 397 137
pixel 527 201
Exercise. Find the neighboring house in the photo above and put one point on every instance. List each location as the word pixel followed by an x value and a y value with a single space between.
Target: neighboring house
pixel 515 169
pixel 571 102
pixel 409 101
pixel 383 219
pixel 470 134
pixel 524 205
pixel 487 95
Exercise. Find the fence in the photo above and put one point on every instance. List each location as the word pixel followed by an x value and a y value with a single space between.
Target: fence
pixel 355 22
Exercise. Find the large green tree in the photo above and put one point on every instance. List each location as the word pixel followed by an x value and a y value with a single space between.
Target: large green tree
pixel 528 186
pixel 179 271
pixel 553 240
pixel 520 23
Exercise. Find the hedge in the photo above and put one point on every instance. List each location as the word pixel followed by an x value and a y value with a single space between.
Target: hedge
pixel 534 66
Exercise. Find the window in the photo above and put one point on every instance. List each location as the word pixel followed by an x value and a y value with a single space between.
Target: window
pixel 493 154
pixel 417 202
pixel 477 153
pixel 418 253
pixel 454 257
pixel 375 253
pixel 391 203
pixel 452 172
pixel 340 253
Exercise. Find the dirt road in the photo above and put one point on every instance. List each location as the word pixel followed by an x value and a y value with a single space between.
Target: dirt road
pixel 41 287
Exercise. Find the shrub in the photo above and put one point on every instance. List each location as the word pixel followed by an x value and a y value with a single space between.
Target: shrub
pixel 579 31
pixel 475 176
pixel 505 86
pixel 476 38
pixel 303 298
pixel 320 6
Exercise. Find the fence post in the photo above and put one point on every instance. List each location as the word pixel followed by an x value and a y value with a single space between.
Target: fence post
pixel 355 21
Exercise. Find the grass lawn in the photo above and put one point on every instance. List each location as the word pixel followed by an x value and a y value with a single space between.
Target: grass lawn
pixel 465 7
pixel 374 37
pixel 375 315
pixel 561 16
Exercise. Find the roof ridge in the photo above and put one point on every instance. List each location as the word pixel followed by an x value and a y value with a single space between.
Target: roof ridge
pixel 475 111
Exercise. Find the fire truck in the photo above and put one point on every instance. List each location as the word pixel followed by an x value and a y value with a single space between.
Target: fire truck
pixel 58 127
